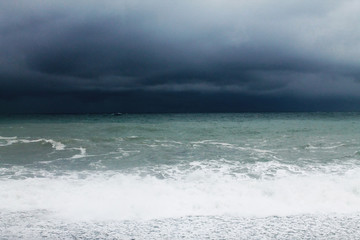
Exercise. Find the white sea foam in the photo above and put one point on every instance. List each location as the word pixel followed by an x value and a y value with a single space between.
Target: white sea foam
pixel 197 192
pixel 81 154
pixel 202 142
pixel 13 140
pixel 233 146
pixel 8 143
pixel 168 141
pixel 6 138
pixel 133 137
pixel 312 147
pixel 56 145
pixel 126 153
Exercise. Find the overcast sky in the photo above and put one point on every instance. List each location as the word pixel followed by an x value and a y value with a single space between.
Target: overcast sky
pixel 179 56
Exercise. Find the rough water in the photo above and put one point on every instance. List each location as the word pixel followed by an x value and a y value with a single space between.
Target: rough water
pixel 180 176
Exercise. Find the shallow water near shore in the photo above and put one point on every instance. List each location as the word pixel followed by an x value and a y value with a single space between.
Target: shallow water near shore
pixel 172 176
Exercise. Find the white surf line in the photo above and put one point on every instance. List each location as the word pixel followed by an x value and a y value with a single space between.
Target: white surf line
pixel 54 144
pixel 82 153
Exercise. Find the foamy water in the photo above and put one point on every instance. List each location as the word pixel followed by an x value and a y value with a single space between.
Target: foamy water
pixel 117 196
pixel 230 176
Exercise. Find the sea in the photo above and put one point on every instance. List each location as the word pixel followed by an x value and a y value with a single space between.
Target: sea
pixel 180 176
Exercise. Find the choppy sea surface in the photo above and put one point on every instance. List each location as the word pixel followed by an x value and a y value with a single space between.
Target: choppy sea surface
pixel 180 176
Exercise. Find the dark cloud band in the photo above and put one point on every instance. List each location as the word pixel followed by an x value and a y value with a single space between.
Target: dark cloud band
pixel 251 52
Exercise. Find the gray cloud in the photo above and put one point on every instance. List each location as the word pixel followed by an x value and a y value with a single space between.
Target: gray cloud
pixel 254 49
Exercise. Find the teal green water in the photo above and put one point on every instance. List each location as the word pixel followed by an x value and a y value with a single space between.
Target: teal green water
pixel 130 168
pixel 127 141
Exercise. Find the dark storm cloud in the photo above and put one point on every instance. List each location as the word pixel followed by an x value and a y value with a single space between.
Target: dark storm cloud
pixel 131 53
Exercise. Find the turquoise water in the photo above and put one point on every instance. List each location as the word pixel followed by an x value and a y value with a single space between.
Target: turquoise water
pixel 217 176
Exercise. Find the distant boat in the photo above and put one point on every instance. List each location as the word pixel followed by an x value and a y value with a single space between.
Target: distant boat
pixel 116 114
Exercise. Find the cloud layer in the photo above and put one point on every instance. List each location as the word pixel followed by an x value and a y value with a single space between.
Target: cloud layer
pixel 128 55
